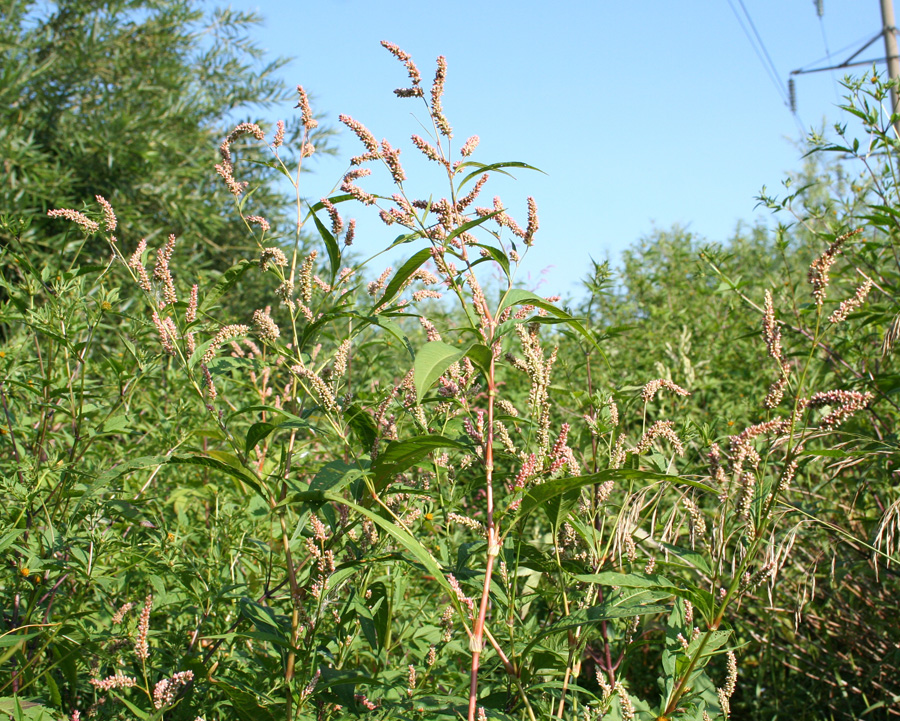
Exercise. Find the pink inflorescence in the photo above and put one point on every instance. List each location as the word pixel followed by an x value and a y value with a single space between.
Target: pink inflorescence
pixel 844 404
pixel 851 304
pixel 437 92
pixel 260 221
pixel 81 220
pixel 362 133
pixel 818 269
pixel 653 387
pixel 660 429
pixel 306 116
pixel 166 691
pixel 141 647
pixel 469 146
pixel 415 78
pixel 118 680
pixel 109 217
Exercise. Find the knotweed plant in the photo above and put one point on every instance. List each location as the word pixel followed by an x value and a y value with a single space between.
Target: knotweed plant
pixel 436 533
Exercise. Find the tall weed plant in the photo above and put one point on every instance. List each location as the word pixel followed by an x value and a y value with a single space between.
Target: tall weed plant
pixel 373 495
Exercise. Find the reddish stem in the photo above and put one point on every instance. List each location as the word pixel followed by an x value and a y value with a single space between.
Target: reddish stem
pixel 493 545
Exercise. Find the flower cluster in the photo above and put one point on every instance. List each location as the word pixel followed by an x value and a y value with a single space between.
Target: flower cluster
pixel 653 387
pixel 819 268
pixel 80 219
pixel 225 169
pixel 166 691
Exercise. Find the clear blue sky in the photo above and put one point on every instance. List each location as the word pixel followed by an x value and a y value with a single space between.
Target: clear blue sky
pixel 642 114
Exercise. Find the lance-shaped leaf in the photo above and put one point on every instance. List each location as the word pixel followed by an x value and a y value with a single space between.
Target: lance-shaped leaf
pixel 482 168
pixel 402 275
pixel 518 296
pixel 400 455
pixel 432 361
pixel 228 279
pixel 639 603
pixel 399 534
pixel 334 253
pixel 540 495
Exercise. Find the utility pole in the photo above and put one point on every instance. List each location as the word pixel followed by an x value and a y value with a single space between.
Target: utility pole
pixel 891 53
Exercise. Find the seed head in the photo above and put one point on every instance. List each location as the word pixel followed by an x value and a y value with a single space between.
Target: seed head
pixel 437 92
pixel 141 647
pixel 109 217
pixel 653 387
pixel 260 221
pixel 265 327
pixel 362 133
pixel 306 116
pixel 81 220
pixel 469 146
pixel 851 304
pixel 279 134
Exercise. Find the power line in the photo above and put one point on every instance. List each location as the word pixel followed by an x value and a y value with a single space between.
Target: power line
pixel 762 45
pixel 868 39
pixel 762 53
pixel 773 77
pixel 820 11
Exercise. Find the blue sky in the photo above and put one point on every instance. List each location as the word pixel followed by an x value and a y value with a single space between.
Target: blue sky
pixel 643 115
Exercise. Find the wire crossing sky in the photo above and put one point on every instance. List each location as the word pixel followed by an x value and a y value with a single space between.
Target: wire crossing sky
pixel 642 115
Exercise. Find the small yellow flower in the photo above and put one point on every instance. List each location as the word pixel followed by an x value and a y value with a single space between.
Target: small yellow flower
pixel 106 305
pixel 25 571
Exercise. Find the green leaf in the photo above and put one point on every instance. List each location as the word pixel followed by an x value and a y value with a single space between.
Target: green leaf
pixel 7 539
pixel 641 603
pixel 627 580
pixel 228 279
pixel 402 275
pixel 465 227
pixel 559 506
pixel 690 558
pixel 231 468
pixel 518 296
pixel 381 613
pixel 256 433
pixel 481 356
pixel 10 638
pixel 334 252
pixel 361 424
pixel 259 431
pixel 400 455
pixel 394 329
pixel 541 494
pixel 419 552
pixel 107 477
pixel 140 713
pixel 266 620
pixel 333 476
pixel 494 166
pixel 432 361
pixel 494 254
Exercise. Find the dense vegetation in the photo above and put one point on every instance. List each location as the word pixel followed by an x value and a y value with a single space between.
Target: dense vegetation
pixel 259 478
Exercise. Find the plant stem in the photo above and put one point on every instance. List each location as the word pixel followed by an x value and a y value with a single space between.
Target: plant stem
pixel 493 544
